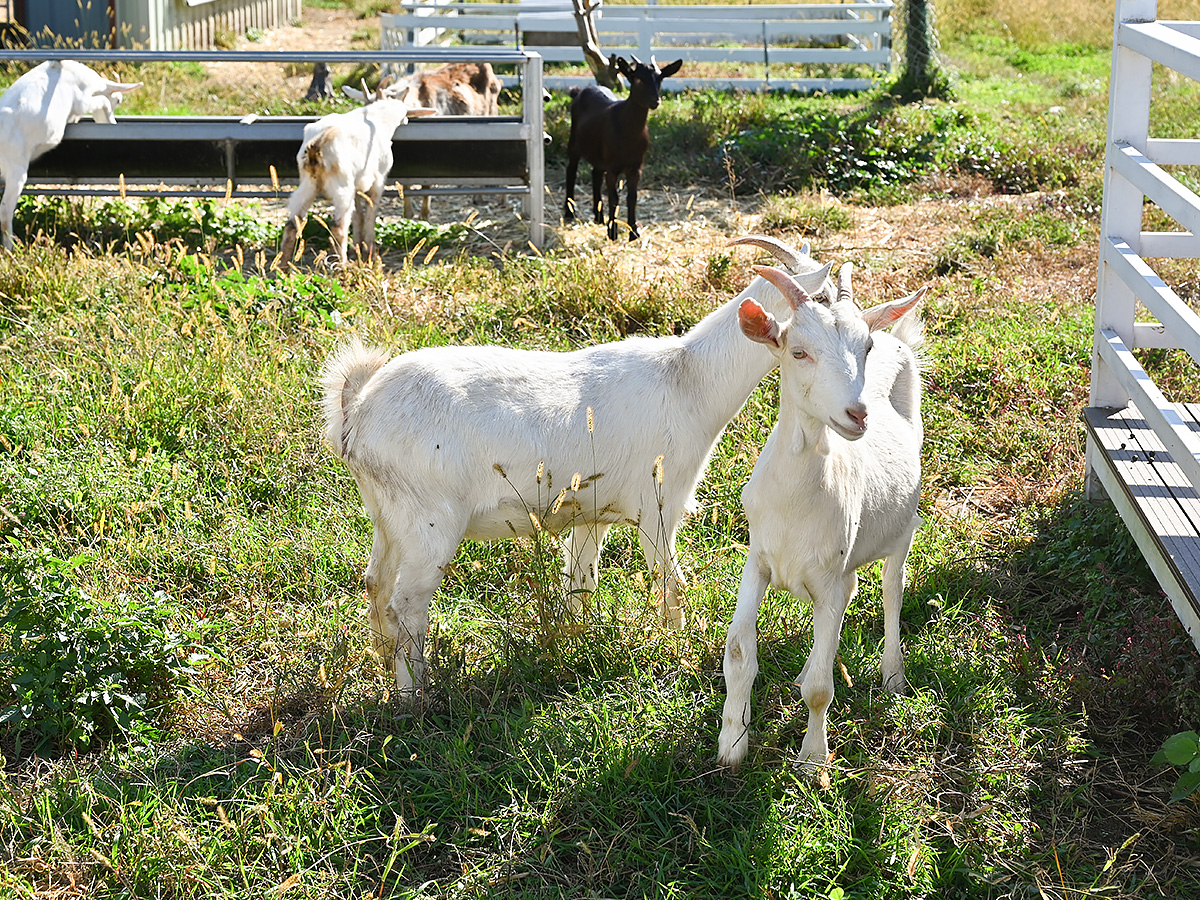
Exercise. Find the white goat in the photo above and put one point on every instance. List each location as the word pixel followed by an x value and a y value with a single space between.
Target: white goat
pixel 489 442
pixel 455 89
pixel 828 494
pixel 346 157
pixel 36 110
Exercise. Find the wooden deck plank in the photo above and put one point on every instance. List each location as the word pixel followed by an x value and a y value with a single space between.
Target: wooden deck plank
pixel 1161 507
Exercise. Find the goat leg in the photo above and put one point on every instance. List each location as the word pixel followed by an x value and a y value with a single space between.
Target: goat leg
pixel 632 179
pixel 569 207
pixel 14 183
pixel 612 184
pixel 598 175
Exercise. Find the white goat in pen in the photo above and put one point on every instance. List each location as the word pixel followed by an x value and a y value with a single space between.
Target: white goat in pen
pixel 346 157
pixel 836 487
pixel 448 443
pixel 34 113
pixel 455 89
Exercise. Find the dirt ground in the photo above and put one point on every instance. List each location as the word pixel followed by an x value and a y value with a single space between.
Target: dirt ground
pixel 679 225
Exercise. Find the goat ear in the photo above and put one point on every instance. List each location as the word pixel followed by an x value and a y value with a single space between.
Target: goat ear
pixel 352 93
pixel 670 68
pixel 623 67
pixel 885 314
pixel 795 295
pixel 758 324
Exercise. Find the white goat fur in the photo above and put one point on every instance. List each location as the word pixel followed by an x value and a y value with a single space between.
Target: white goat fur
pixel 835 487
pixel 346 157
pixel 455 89
pixel 454 442
pixel 36 110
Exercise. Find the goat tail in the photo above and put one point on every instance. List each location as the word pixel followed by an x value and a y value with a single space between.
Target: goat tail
pixel 343 378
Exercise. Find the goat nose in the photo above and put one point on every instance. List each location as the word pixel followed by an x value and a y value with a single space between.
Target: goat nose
pixel 858 414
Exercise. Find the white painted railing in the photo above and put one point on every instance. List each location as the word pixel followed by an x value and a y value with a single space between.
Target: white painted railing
pixel 1143 447
pixel 858 32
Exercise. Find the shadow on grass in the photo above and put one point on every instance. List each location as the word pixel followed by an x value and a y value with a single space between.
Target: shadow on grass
pixel 1019 757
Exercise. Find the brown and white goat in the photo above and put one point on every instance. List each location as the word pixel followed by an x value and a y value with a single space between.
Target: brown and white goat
pixel 455 89
pixel 613 136
pixel 346 157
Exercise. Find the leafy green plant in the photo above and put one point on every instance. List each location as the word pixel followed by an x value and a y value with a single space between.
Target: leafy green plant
pixel 77 669
pixel 205 224
pixel 1183 751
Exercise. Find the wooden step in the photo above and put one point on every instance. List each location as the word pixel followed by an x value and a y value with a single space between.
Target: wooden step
pixel 1158 504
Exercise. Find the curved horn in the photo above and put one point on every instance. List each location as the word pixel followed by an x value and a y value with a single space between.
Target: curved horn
pixel 121 87
pixel 781 251
pixel 795 295
pixel 844 295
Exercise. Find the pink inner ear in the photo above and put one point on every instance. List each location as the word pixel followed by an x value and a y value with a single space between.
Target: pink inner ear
pixel 756 323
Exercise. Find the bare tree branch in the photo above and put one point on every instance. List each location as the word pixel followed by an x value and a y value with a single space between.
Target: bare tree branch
pixel 603 68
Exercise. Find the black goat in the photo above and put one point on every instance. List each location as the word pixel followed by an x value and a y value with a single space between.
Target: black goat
pixel 611 134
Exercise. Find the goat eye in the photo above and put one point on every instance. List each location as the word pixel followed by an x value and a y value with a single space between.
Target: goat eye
pixel 799 353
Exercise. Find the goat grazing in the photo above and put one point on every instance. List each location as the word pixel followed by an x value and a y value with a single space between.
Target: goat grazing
pixel 613 136
pixel 828 493
pixel 487 442
pixel 36 110
pixel 455 89
pixel 346 157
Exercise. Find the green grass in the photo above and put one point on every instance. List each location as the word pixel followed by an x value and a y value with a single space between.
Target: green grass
pixel 159 429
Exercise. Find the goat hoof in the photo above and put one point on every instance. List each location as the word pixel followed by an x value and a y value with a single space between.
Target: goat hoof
pixel 634 234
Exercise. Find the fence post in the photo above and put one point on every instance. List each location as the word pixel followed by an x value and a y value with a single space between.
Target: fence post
pixel 1121 211
pixel 766 55
pixel 534 115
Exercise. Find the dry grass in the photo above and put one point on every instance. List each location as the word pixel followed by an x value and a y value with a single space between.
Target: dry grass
pixel 1037 22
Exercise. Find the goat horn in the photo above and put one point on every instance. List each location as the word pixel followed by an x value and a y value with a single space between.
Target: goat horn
pixel 362 82
pixel 781 251
pixel 844 294
pixel 795 295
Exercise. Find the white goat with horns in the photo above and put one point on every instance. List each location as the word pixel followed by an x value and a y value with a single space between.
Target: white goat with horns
pixel 836 487
pixel 490 442
pixel 34 113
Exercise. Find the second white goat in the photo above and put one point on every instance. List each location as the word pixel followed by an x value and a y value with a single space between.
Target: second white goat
pixel 34 113
pixel 835 487
pixel 346 157
pixel 488 442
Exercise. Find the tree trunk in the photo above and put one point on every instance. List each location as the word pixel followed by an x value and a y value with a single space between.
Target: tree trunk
pixel 922 75
pixel 603 68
